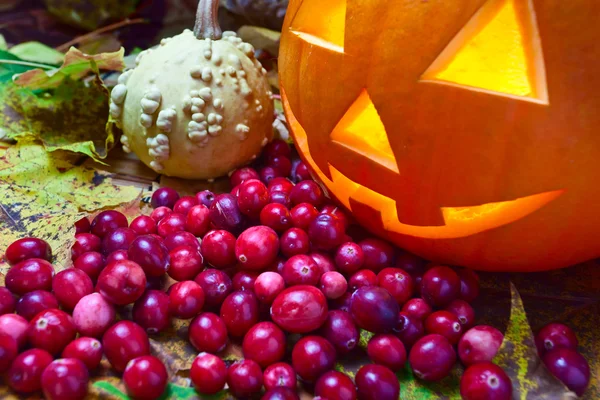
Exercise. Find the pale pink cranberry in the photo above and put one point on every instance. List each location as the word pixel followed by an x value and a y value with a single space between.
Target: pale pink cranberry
pixel 267 286
pixel 479 344
pixel 14 326
pixel 333 284
pixel 93 315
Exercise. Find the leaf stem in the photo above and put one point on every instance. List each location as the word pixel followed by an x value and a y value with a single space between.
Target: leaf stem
pixel 26 63
pixel 65 46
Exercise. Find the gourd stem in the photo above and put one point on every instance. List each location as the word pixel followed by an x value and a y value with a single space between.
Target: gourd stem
pixel 207 24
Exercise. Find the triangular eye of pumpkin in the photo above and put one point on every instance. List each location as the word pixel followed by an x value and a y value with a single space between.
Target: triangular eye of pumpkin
pixel 321 23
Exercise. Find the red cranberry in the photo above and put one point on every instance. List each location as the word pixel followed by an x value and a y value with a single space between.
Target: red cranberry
pixel 8 351
pixel 243 174
pixel 29 275
pixel 312 356
pixel 244 378
pixel 151 311
pixel 299 309
pixel 32 303
pixel 280 185
pixel 186 263
pixel 349 258
pixel 208 332
pixel 25 373
pixel 85 349
pixel 279 197
pixel 182 238
pixel 374 309
pixel 26 248
pixel 417 308
pixel 335 385
pixel 225 213
pixel 172 223
pixel 341 303
pixel 145 378
pixel 66 378
pixel 280 393
pixel 340 330
pixel 446 324
pixel 294 241
pixel 186 299
pixel 119 239
pixel 301 270
pixel 143 225
pixel 240 312
pixel 150 253
pixel 85 242
pixel 70 285
pixel 123 342
pixel 414 265
pixel 82 226
pixel 307 191
pixel 164 197
pixel 479 344
pixel 14 326
pixel 303 215
pixel 570 367
pixel 160 213
pixel 267 286
pixel 378 254
pixel 208 373
pixel 122 282
pixel 464 312
pixel 267 174
pixel 485 381
pixel 91 263
pixel 333 284
pixel 184 204
pixel 205 197
pixel 264 343
pixel 8 302
pixel 197 221
pixel 469 284
pixel 107 221
pixel 440 286
pixel 257 247
pixel 554 336
pixel 244 280
pixel 409 329
pixel 218 249
pixel 277 147
pixel 279 375
pixel 387 350
pixel 323 260
pixel 93 315
pixel 376 382
pixel 216 286
pixel 326 232
pixel 398 282
pixel 300 172
pixel 432 357
pixel 252 197
pixel 276 216
pixel 116 256
pixel 51 330
pixel 282 164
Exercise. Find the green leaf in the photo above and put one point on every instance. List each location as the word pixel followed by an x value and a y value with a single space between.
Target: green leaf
pixel 37 52
pixel 10 65
pixel 412 388
pixel 111 390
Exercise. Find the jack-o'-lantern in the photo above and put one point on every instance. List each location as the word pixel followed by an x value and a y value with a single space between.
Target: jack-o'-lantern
pixel 465 131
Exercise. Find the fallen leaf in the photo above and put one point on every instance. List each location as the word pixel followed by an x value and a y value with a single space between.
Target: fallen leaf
pixel 260 38
pixel 37 52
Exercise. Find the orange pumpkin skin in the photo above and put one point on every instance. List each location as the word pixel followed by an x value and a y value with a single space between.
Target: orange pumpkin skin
pixel 496 169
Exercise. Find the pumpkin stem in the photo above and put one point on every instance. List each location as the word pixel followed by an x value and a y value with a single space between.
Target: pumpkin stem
pixel 207 24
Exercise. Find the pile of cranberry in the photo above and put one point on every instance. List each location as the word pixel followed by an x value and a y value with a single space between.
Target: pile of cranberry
pixel 270 265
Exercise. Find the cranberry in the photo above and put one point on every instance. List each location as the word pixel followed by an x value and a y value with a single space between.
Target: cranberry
pixel 85 242
pixel 93 315
pixel 186 263
pixel 151 311
pixel 145 378
pixel 280 393
pixel 32 303
pixel 387 350
pixel 440 286
pixel 186 299
pixel 182 238
pixel 277 147
pixel 205 197
pixel 485 381
pixel 208 373
pixel 374 309
pixel 91 263
pixel 252 197
pixel 25 373
pixel 378 254
pixel 398 282
pixel 282 164
pixel 446 324
pixel 417 308
pixel 469 284
pixel 82 226
pixel 116 256
pixel 218 249
pixel 432 357
pixel 301 270
pixel 197 220
pixel 244 280
pixel 277 265
pixel 281 198
pixel 216 286
pixel 14 326
pixel 172 223
pixel 51 330
pixel 554 336
pixel 268 173
pixel 569 367
pixel 8 301
pixel 412 264
pixel 29 275
pixel 207 332
pixel 8 351
pixel 276 216
pixel 279 375
pixel 340 330
pixel 143 225
pixel 267 286
pixel 123 342
pixel 376 382
pixel 184 204
pixel 294 241
pixel 464 312
pixel 86 349
pixel 323 260
pixel 243 174
pixel 299 309
pixel 280 185
pixel 307 191
pixel 349 258
pixel 335 385
pixel 225 213
pixel 66 378
pixel 312 356
pixel 479 344
pixel 70 285
pixel 257 247
pixel 160 213
pixel 300 172
pixel 26 248
pixel 244 378
pixel 118 239
pixel 409 329
pixel 239 312
pixel 303 215
pixel 264 343
pixel 107 221
pixel 150 253
pixel 326 232
pixel 333 284
pixel 122 282
pixel 164 197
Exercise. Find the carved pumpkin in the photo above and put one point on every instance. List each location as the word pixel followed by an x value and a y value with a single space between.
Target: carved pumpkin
pixel 465 131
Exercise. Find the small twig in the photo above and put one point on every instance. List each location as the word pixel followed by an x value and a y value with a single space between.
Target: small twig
pixel 65 46
pixel 26 63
